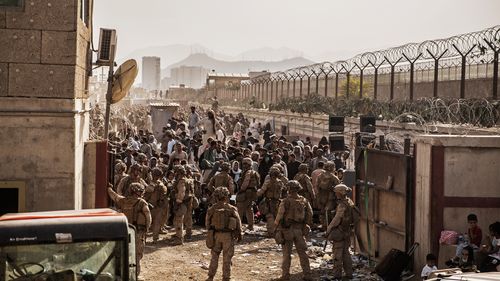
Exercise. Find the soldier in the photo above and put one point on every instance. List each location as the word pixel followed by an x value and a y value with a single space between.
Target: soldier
pixel 272 190
pixel 293 220
pixel 326 196
pixel 137 211
pixel 224 227
pixel 133 176
pixel 142 159
pixel 307 190
pixel 339 231
pixel 120 169
pixel 248 183
pixel 221 179
pixel 157 196
pixel 183 204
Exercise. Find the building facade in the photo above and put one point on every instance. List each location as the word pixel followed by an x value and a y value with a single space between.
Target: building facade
pixel 189 76
pixel 151 69
pixel 44 67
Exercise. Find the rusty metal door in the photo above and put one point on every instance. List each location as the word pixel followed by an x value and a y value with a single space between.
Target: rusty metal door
pixel 384 196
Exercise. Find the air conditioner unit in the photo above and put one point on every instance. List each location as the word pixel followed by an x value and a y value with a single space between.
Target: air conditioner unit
pixel 107 46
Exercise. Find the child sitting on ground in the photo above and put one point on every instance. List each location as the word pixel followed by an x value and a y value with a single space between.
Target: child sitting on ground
pixel 472 238
pixel 429 267
pixel 474 232
pixel 465 261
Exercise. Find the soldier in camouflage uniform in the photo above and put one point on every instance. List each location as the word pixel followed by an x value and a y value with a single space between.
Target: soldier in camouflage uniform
pixel 248 183
pixel 183 204
pixel 224 228
pixel 134 176
pixel 120 169
pixel 137 211
pixel 293 220
pixel 272 190
pixel 307 190
pixel 157 196
pixel 326 196
pixel 142 159
pixel 221 179
pixel 339 232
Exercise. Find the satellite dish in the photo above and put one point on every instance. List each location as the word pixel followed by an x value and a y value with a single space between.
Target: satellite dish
pixel 123 79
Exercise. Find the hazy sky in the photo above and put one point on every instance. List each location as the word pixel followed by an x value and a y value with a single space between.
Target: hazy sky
pixel 317 28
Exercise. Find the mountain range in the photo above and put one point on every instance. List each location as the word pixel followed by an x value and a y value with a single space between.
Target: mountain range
pixel 236 66
pixel 266 58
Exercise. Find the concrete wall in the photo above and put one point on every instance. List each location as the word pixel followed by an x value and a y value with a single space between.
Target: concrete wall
pixel 43 119
pixel 455 176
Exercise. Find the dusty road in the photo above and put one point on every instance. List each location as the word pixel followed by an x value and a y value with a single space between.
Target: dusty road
pixel 256 258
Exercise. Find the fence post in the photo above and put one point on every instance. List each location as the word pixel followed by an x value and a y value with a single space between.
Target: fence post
pixel 336 85
pixel 348 76
pixel 300 86
pixel 393 66
pixel 464 63
pixel 495 68
pixel 495 75
pixel 412 74
pixel 271 95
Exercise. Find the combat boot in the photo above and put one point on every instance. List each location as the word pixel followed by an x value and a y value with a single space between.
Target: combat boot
pixel 177 241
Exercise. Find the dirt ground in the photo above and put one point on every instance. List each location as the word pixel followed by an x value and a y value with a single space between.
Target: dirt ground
pixel 256 258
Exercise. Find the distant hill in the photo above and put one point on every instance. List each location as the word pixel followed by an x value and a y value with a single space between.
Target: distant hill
pixel 270 54
pixel 237 66
pixel 171 53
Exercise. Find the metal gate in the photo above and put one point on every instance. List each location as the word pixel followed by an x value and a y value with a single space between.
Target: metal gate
pixel 384 195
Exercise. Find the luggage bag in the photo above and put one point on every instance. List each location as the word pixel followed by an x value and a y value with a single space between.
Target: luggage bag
pixel 394 263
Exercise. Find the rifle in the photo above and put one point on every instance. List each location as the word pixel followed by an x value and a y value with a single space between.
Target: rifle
pixel 326 234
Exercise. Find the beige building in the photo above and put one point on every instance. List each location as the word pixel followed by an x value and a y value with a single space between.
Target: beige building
pixel 151 70
pixel 225 80
pixel 189 76
pixel 43 103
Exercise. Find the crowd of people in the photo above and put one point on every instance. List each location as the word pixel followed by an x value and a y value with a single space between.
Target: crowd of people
pixel 225 172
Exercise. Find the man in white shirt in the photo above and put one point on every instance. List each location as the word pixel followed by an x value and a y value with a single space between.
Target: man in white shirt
pixel 193 120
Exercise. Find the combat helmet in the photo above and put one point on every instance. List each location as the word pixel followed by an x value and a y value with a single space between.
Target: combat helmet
pixel 342 189
pixel 156 172
pixel 141 157
pixel 179 170
pixel 293 185
pixel 221 193
pixel 303 168
pixel 247 161
pixel 274 172
pixel 225 167
pixel 137 188
pixel 330 166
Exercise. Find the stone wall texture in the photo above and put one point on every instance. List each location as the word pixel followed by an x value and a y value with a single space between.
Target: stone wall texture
pixel 43 83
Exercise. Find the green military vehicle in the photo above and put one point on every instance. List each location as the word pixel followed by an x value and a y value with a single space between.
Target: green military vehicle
pixel 86 245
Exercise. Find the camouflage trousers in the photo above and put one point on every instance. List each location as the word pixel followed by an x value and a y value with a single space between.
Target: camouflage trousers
pixel 183 218
pixel 159 216
pixel 245 208
pixel 294 236
pixel 342 259
pixel 223 243
pixel 140 242
pixel 271 215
